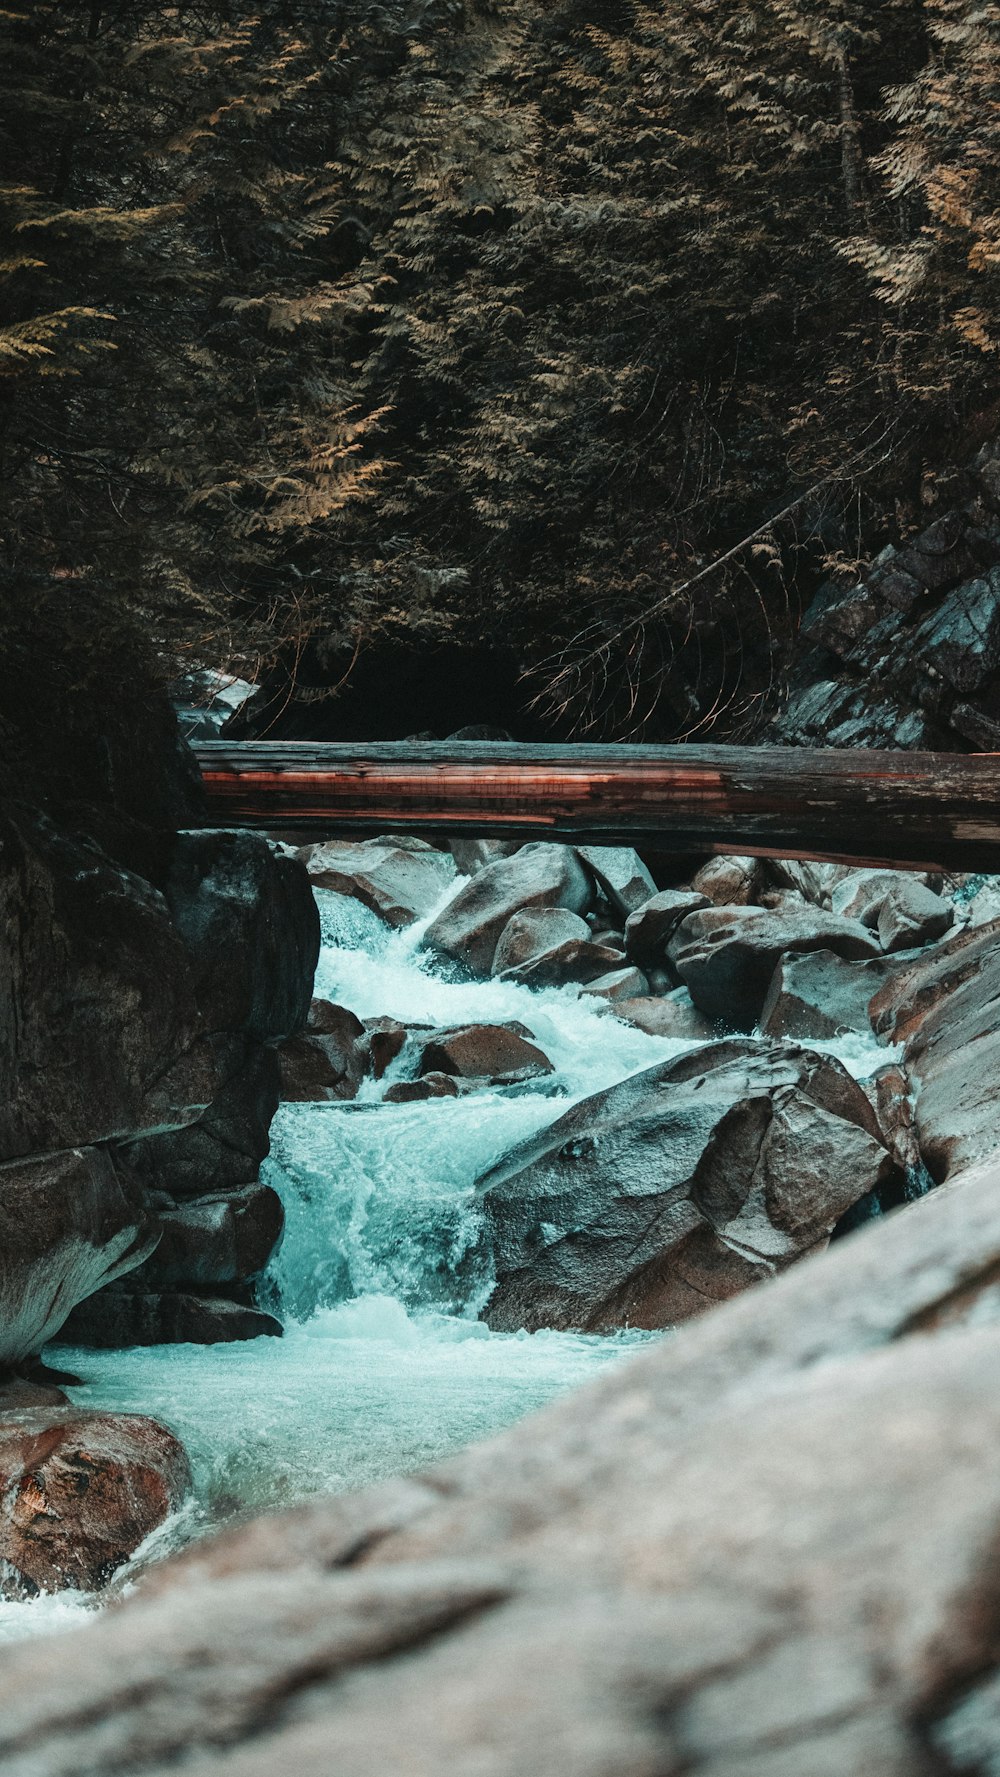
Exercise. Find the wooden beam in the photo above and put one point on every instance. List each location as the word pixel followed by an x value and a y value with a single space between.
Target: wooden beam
pixel 907 809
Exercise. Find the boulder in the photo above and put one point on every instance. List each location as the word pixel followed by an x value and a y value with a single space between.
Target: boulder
pixel 80 1491
pixel 540 875
pixel 221 1238
pixel 961 638
pixel 473 855
pixel 250 924
pixel 433 1085
pixel 815 881
pixel 123 1316
pixel 670 1015
pixel 901 908
pixel 98 1000
pixel 400 879
pixel 911 916
pixel 762 1548
pixel 70 1222
pixel 726 957
pixel 649 928
pixel 819 994
pixel 677 1188
pixel 384 1041
pixel 948 1009
pixel 224 1147
pixel 500 1053
pixel 619 984
pixel 327 1061
pixel 573 960
pixel 535 932
pixel 730 881
pixel 621 873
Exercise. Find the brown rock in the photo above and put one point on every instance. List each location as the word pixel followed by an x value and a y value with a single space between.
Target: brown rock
pixel 619 984
pixel 432 1085
pixel 327 1061
pixel 501 1053
pixel 537 931
pixel 677 1188
pixel 818 994
pixel 80 1492
pixel 669 1015
pixel 400 879
pixel 730 881
pixel 384 1039
pixel 911 916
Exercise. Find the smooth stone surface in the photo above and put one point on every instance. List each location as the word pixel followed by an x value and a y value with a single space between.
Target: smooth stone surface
pixel 730 881
pixel 400 879
pixel 538 875
pixel 651 925
pixel 677 1188
pixel 621 873
pixel 726 957
pixel 620 984
pixel 534 932
pixel 500 1053
pixel 80 1491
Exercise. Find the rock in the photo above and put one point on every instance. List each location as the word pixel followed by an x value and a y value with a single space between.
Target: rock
pixel 671 1015
pixel 122 1317
pixel 98 1001
pixel 327 1061
pixel 433 1085
pixel 574 960
pixel 500 1053
pixel 220 1238
pixel 819 995
pixel 249 922
pixel 677 1188
pixel 473 855
pixel 894 1104
pixel 911 916
pixel 726 957
pixel 620 984
pixel 621 873
pixel 70 1222
pixel 730 881
pixel 385 1040
pixel 949 1010
pixel 540 875
pixel 80 1491
pixel 400 879
pixel 648 929
pixel 535 932
pixel 694 1562
pixel 913 991
pixel 901 908
pixel 815 881
pixel 224 1147
pixel 961 639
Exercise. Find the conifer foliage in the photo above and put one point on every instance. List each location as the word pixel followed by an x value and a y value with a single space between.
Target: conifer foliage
pixel 579 325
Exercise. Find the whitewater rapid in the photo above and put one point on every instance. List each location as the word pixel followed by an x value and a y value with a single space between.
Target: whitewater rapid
pixel 384 1366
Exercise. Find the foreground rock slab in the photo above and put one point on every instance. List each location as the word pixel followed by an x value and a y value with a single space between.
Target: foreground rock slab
pixel 677 1188
pixel 80 1491
pixel 764 1548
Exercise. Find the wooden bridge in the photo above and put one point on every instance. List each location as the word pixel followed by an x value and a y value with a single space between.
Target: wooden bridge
pixel 907 809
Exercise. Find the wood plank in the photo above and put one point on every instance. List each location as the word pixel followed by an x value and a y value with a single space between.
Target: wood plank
pixel 909 809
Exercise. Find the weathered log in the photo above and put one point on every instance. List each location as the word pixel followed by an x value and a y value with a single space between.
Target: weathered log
pixel 908 809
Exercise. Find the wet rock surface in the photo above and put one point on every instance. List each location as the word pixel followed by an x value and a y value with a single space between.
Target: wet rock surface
pixel 726 957
pixel 400 879
pixel 601 1580
pixel 79 1492
pixel 538 875
pixel 677 1188
pixel 503 1054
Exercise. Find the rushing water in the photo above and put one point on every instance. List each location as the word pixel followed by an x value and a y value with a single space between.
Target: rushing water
pixel 384 1365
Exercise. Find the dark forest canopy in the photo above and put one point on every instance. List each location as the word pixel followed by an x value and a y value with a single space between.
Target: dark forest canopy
pixel 329 325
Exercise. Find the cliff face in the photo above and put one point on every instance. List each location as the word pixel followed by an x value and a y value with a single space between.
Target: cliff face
pixel 146 972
